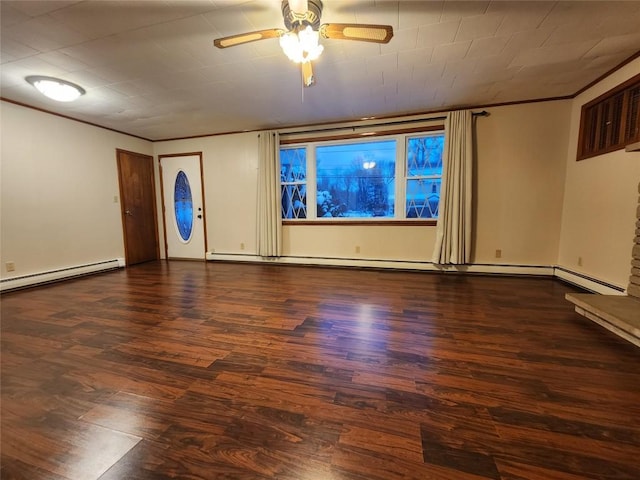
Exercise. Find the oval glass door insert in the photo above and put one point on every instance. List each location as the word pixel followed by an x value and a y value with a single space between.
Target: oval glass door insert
pixel 183 206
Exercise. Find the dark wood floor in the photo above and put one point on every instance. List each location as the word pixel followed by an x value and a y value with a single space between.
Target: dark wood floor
pixel 225 371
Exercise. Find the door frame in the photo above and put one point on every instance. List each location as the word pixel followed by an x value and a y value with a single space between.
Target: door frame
pixel 120 151
pixel 164 212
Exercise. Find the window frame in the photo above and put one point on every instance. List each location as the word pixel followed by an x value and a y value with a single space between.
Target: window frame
pixel 360 141
pixel 295 182
pixel 601 113
pixel 419 177
pixel 401 138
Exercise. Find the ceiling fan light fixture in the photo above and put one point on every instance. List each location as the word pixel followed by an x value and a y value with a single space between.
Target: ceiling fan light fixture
pixel 301 39
pixel 302 46
pixel 55 88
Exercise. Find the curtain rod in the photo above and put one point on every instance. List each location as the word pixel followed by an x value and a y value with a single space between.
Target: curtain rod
pixel 483 113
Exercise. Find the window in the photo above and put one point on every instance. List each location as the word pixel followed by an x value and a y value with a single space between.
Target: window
pixel 632 127
pixel 424 175
pixel 392 177
pixel 293 182
pixel 611 121
pixel 183 206
pixel 356 179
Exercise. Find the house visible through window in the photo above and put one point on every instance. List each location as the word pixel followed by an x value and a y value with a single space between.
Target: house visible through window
pixel 424 175
pixel 293 181
pixel 390 177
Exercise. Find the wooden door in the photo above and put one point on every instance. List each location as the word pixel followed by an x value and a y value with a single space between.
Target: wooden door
pixel 138 204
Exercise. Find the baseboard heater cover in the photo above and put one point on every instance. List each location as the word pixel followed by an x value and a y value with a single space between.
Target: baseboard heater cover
pixel 575 278
pixel 33 279
pixel 588 283
pixel 541 270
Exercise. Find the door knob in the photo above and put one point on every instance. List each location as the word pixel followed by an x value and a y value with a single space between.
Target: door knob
pixel 128 212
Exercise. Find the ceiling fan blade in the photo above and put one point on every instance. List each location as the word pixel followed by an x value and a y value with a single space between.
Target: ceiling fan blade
pixel 357 31
pixel 234 40
pixel 307 74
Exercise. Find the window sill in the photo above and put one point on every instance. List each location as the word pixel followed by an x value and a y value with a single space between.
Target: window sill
pixel 612 148
pixel 386 223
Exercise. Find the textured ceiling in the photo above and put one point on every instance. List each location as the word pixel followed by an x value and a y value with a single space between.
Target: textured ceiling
pixel 150 67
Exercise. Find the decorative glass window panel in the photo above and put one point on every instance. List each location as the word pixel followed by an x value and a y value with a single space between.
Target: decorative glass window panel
pixel 356 180
pixel 183 206
pixel 424 175
pixel 293 182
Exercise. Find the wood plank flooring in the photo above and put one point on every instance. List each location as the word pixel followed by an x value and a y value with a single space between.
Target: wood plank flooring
pixel 228 371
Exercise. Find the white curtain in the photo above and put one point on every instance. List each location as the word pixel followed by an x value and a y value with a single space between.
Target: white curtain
pixel 269 216
pixel 453 234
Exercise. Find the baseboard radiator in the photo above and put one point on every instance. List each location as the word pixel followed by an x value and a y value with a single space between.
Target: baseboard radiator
pixel 581 280
pixel 31 280
pixel 542 270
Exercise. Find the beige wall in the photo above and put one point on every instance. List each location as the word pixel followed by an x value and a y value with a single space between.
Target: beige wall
pixel 518 198
pixel 59 196
pixel 601 194
pixel 58 183
pixel 230 174
pixel 59 179
pixel 520 167
pixel 406 243
pixel 520 178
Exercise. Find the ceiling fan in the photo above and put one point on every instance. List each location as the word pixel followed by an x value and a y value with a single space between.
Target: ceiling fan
pixel 303 30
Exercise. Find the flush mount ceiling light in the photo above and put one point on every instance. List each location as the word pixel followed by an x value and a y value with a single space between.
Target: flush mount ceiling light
pixel 55 88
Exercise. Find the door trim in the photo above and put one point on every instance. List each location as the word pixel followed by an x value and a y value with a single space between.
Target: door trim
pixel 204 203
pixel 120 151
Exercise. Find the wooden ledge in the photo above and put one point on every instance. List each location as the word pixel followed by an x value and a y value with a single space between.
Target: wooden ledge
pixel 633 147
pixel 619 314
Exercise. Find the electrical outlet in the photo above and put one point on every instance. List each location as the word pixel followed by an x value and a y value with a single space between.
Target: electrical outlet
pixel 579 261
pixel 498 253
pixel 357 248
pixel 10 266
pixel 242 246
pixel 115 199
